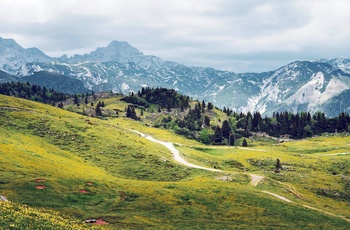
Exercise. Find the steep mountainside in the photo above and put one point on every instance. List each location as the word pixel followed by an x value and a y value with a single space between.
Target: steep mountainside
pixel 298 86
pixel 13 56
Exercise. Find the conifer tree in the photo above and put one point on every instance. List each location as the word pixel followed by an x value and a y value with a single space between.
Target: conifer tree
pixel 278 166
pixel 226 130
pixel 218 135
pixel 244 143
pixel 76 100
pixel 98 110
pixel 207 121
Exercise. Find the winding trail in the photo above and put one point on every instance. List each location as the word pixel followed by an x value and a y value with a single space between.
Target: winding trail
pixel 175 152
pixel 278 196
pixel 256 179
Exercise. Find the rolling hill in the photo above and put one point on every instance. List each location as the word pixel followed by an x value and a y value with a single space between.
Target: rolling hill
pixel 85 167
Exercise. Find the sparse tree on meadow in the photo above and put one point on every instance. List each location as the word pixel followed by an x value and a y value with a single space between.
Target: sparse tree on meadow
pixel 244 143
pixel 278 166
pixel 98 110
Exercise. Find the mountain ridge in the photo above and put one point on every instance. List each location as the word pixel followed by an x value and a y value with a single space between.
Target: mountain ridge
pixel 121 68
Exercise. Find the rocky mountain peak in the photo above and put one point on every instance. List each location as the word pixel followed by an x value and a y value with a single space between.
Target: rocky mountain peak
pixel 297 87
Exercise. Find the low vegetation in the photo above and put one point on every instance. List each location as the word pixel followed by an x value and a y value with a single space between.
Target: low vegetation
pixel 16 216
pixel 78 166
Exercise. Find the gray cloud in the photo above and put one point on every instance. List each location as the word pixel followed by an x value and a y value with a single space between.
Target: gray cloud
pixel 238 35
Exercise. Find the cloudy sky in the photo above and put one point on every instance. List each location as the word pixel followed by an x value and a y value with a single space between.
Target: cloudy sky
pixel 236 35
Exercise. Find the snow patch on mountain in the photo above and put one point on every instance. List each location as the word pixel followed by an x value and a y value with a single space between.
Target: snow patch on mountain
pixel 312 95
pixel 310 92
pixel 334 88
pixel 125 87
pixel 122 68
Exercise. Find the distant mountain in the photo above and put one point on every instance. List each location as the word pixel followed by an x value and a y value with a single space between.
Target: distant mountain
pixel 298 86
pixel 13 56
pixel 116 51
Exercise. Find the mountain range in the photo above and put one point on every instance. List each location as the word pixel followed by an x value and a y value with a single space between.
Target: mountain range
pixel 320 85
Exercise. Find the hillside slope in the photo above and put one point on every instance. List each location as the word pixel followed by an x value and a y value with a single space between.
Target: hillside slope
pixel 92 168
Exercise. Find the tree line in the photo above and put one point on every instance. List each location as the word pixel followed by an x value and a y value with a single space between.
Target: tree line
pixel 286 124
pixel 32 92
pixel 165 98
pixel 197 121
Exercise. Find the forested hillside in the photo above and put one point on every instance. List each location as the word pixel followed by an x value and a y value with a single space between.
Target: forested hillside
pixel 202 121
pixel 32 92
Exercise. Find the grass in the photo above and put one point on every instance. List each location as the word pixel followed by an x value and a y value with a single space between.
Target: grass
pixel 136 184
pixel 16 216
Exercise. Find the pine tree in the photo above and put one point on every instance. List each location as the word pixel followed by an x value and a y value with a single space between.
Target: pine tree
pixel 207 121
pixel 278 166
pixel 130 112
pixel 218 135
pixel 226 130
pixel 76 100
pixel 244 143
pixel 203 104
pixel 98 110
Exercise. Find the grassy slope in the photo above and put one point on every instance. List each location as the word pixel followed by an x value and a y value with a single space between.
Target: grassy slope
pixel 136 184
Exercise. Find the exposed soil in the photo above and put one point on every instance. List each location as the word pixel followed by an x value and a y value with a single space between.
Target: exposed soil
pixel 82 191
pixel 255 179
pixel 175 152
pixel 40 180
pixel 100 222
pixel 90 183
pixel 278 196
pixel 40 187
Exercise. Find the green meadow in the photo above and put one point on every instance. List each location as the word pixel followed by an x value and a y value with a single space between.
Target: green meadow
pixel 99 168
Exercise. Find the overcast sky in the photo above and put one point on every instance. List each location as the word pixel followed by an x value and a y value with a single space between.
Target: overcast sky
pixel 236 35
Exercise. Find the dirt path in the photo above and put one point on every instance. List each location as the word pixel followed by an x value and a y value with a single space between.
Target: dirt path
pixel 307 206
pixel 255 179
pixel 328 213
pixel 335 154
pixel 278 196
pixel 175 153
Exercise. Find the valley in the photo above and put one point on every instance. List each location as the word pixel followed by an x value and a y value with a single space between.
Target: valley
pixel 124 170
